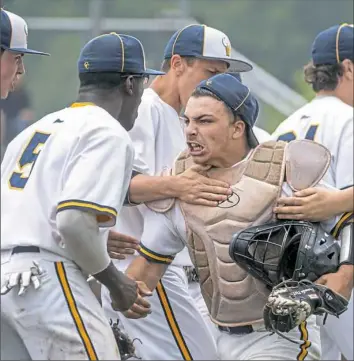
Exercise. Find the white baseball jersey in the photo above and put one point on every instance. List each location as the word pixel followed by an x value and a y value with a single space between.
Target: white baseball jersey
pixel 158 138
pixel 77 158
pixel 328 121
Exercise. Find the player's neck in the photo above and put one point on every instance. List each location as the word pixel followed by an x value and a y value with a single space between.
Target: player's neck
pixel 112 107
pixel 338 93
pixel 166 89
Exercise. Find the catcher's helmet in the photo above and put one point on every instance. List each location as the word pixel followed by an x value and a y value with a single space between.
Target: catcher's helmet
pixel 285 250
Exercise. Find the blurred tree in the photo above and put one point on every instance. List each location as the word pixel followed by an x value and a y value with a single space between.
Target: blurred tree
pixel 275 34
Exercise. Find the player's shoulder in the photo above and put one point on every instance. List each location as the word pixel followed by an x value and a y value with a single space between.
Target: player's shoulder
pixel 332 106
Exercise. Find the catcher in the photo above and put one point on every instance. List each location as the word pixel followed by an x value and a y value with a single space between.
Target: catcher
pixel 219 117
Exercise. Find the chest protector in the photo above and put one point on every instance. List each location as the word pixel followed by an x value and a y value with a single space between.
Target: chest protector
pixel 233 296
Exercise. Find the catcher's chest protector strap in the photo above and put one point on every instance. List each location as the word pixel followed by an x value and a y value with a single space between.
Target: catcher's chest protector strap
pixel 233 297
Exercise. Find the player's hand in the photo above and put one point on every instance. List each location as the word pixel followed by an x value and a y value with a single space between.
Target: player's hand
pixel 340 282
pixel 195 188
pixel 119 245
pixel 311 204
pixel 141 308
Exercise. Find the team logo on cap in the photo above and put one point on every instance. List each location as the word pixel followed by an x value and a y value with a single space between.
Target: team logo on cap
pixel 227 45
pixel 209 82
pixel 86 64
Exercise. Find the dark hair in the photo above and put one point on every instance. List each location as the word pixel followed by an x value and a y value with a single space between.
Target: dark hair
pixel 166 64
pixel 323 77
pixel 201 92
pixel 100 81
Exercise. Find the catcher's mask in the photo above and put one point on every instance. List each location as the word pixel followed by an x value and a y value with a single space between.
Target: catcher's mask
pixel 285 250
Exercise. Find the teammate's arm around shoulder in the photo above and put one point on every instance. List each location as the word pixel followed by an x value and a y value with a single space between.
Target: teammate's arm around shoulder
pixel 88 200
pixel 191 186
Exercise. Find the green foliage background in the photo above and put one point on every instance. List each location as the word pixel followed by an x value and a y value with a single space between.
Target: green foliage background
pixel 275 34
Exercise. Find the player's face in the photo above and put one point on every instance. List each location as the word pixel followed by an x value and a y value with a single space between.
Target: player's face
pixel 131 102
pixel 211 135
pixel 12 68
pixel 192 75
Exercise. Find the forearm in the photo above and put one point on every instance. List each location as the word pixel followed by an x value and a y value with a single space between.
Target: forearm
pixel 89 251
pixel 344 200
pixel 148 272
pixel 144 188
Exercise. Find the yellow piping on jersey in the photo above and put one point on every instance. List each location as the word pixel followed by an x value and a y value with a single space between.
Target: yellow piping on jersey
pixel 83 104
pixel 69 297
pixel 88 205
pixel 155 257
pixel 343 220
pixel 306 344
pixel 176 332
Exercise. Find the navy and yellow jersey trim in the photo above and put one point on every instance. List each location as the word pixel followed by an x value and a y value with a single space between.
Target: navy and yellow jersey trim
pixel 154 257
pixel 75 314
pixel 104 214
pixel 172 322
pixel 343 221
pixel 306 344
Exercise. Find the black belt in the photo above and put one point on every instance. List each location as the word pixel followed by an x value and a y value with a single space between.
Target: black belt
pixel 25 249
pixel 237 330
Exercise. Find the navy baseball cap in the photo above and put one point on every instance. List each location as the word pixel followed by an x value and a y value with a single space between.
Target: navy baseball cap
pixel 14 32
pixel 204 42
pixel 237 97
pixel 114 53
pixel 333 45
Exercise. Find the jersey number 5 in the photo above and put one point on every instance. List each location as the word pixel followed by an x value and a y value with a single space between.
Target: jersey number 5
pixel 27 159
pixel 289 136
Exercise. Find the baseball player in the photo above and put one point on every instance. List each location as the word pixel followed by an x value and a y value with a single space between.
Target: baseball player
pixel 328 119
pixel 219 117
pixel 14 33
pixel 56 194
pixel 13 47
pixel 176 329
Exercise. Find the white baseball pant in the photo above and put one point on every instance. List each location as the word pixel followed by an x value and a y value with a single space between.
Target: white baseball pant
pixel 261 345
pixel 175 330
pixel 60 320
pixel 337 335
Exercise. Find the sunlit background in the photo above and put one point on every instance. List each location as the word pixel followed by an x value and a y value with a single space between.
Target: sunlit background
pixel 275 35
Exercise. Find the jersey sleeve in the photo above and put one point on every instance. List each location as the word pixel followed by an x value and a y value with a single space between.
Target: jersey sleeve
pixel 97 175
pixel 344 158
pixel 143 136
pixel 160 241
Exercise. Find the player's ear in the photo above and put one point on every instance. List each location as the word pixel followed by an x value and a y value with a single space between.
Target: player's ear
pixel 178 64
pixel 128 85
pixel 238 128
pixel 348 69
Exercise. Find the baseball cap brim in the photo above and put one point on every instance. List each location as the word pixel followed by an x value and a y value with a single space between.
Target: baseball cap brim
pixel 235 65
pixel 26 51
pixel 153 72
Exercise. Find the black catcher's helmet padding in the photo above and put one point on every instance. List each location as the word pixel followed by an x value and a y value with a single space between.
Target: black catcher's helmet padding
pixel 285 250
